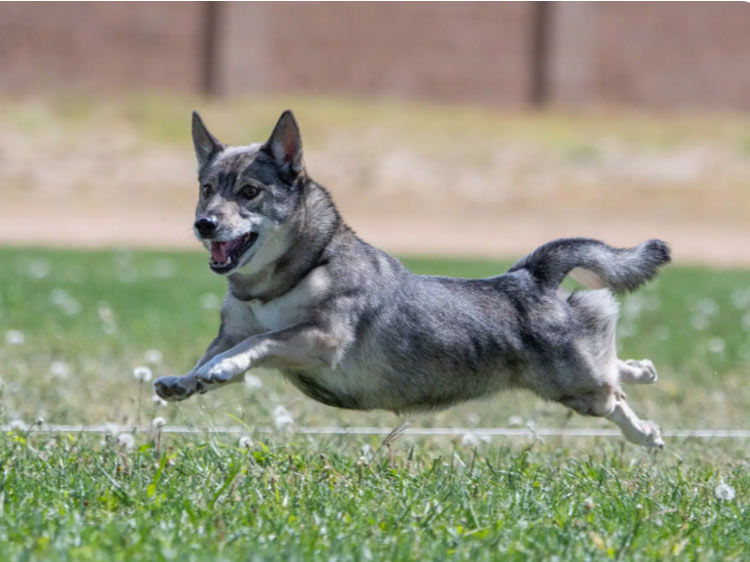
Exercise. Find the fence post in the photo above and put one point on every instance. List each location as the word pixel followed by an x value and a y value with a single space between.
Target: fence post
pixel 209 60
pixel 540 28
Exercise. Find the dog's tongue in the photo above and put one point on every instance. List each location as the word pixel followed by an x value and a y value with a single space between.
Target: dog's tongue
pixel 219 251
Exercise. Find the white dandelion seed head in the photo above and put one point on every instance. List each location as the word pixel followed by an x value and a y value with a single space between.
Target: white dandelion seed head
pixel 59 369
pixel 14 337
pixel 152 356
pixel 515 421
pixel 724 492
pixel 741 298
pixel 716 345
pixel 17 424
pixel 126 441
pixel 142 374
pixel 111 429
pixel 164 269
pixel 158 400
pixel 245 442
pixel 706 306
pixel 699 322
pixel 746 321
pixel 158 422
pixel 366 452
pixel 252 382
pixel 282 418
pixel 469 440
pixel 210 301
pixel 39 269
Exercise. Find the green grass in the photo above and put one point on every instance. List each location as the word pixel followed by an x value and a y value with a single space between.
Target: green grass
pixel 203 497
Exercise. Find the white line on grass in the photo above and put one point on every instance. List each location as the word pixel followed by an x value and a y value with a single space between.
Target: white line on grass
pixel 334 430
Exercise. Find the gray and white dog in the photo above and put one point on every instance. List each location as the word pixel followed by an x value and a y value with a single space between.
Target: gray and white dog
pixel 351 327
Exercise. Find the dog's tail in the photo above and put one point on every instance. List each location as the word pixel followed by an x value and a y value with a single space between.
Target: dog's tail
pixel 594 263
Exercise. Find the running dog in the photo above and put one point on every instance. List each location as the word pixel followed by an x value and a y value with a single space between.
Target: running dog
pixel 352 327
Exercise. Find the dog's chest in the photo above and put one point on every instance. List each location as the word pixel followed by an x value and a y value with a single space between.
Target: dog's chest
pixel 291 308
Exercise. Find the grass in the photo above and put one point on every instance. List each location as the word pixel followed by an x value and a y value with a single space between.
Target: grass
pixel 88 318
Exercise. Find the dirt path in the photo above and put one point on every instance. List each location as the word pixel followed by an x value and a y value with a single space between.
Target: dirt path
pixel 410 179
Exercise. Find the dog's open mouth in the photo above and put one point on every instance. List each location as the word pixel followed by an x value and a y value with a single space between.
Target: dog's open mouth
pixel 225 255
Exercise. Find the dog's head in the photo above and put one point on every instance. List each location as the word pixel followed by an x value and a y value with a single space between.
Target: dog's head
pixel 248 195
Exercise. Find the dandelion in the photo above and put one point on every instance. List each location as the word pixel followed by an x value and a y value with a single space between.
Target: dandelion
pixel 741 298
pixel 126 441
pixel 142 374
pixel 152 356
pixel 282 417
pixel 724 492
pixel 158 422
pixel 17 424
pixel 164 269
pixel 366 453
pixel 59 369
pixel 746 321
pixel 61 299
pixel 252 382
pixel 39 421
pixel 111 429
pixel 716 345
pixel 14 337
pixel 158 400
pixel 473 418
pixel 245 442
pixel 209 301
pixel 469 440
pixel 515 421
pixel 699 322
pixel 107 318
pixel 39 269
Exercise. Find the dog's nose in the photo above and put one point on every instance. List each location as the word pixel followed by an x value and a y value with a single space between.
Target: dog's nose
pixel 206 227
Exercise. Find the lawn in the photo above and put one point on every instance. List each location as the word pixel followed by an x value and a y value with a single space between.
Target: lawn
pixel 74 325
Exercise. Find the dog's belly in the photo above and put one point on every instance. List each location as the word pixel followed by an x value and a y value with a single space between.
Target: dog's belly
pixel 371 389
pixel 327 387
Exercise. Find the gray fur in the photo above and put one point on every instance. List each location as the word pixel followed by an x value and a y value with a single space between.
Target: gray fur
pixel 351 327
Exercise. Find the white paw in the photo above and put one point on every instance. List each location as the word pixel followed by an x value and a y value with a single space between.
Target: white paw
pixel 647 370
pixel 651 435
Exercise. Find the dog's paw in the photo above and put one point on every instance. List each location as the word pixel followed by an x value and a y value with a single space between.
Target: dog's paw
pixel 651 435
pixel 174 389
pixel 647 371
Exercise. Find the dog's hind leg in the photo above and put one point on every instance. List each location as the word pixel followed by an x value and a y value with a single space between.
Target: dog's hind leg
pixel 609 402
pixel 636 430
pixel 636 372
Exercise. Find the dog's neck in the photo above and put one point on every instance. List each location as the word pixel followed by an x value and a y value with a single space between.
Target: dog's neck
pixel 312 230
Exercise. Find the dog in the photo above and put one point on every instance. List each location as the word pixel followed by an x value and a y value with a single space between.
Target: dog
pixel 352 327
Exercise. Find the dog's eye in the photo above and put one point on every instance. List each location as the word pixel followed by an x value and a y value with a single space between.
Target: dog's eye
pixel 250 191
pixel 206 189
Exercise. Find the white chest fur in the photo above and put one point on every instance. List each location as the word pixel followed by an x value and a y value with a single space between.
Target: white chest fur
pixel 293 307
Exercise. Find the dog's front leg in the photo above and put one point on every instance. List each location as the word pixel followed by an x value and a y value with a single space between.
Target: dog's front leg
pixel 179 388
pixel 301 347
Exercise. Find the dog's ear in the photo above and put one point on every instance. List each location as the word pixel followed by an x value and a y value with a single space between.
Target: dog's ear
pixel 206 145
pixel 285 145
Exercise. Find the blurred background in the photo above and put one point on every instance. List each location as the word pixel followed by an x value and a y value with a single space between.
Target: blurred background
pixel 457 135
pixel 453 128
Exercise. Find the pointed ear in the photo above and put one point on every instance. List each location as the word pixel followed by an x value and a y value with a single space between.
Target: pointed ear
pixel 204 142
pixel 285 144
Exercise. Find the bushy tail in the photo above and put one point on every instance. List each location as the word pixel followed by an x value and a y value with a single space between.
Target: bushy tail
pixel 594 263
